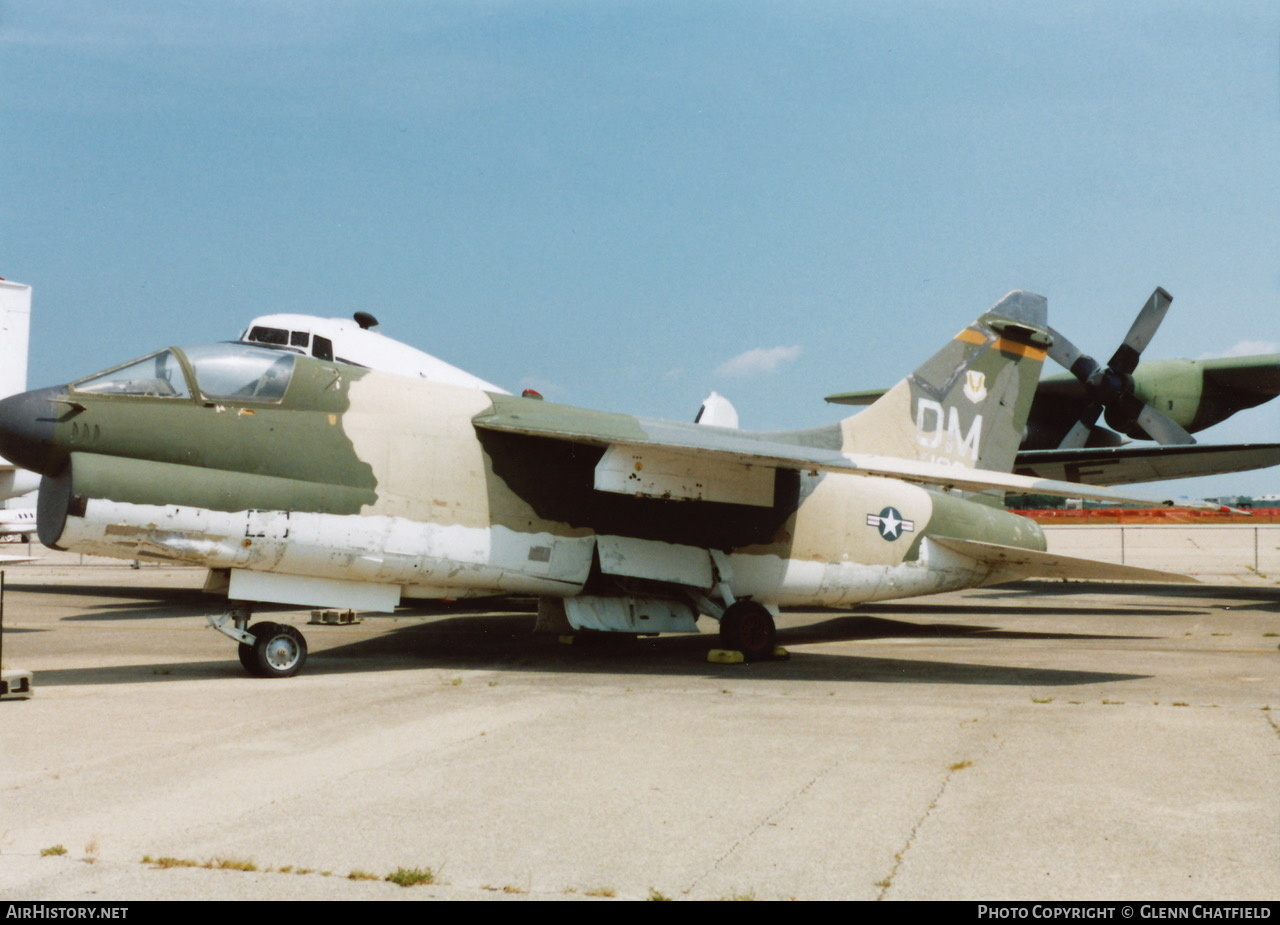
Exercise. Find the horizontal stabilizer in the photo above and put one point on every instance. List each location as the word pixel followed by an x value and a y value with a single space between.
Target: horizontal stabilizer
pixel 1027 563
pixel 1123 465
pixel 865 397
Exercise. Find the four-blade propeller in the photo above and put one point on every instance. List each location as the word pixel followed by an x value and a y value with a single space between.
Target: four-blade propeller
pixel 1111 387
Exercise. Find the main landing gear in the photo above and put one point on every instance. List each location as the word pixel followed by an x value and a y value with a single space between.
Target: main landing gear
pixel 748 627
pixel 266 650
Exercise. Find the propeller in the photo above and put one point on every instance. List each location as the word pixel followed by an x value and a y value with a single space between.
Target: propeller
pixel 1110 387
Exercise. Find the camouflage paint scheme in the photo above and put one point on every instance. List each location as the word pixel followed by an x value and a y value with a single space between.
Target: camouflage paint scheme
pixel 359 487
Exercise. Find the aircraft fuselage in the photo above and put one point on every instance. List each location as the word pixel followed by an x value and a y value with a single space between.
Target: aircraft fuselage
pixel 354 487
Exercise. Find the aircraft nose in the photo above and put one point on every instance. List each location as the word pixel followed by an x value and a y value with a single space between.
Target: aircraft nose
pixel 27 429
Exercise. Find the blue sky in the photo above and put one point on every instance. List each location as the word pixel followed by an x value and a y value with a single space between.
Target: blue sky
pixel 626 205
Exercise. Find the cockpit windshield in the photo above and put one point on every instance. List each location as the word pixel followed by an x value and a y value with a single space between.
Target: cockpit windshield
pixel 159 375
pixel 230 372
pixel 238 372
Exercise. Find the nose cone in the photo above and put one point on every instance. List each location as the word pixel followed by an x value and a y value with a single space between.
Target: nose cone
pixel 27 424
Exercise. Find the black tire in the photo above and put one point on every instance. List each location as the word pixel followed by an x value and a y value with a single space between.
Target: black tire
pixel 245 650
pixel 748 627
pixel 278 652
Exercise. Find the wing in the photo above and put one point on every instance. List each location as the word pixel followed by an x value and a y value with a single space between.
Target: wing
pixel 664 459
pixel 1254 375
pixel 1122 465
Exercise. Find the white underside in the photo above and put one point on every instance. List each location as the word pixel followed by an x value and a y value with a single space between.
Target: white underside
pixel 393 556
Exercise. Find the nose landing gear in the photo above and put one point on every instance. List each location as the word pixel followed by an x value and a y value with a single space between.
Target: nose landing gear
pixel 266 650
pixel 278 651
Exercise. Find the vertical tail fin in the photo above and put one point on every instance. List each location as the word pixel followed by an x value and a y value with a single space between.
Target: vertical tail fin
pixel 968 405
pixel 15 325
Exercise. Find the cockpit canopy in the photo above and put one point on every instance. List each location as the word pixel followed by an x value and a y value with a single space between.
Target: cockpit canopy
pixel 300 341
pixel 225 372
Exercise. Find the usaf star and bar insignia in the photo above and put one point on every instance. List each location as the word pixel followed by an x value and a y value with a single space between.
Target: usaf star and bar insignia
pixel 891 523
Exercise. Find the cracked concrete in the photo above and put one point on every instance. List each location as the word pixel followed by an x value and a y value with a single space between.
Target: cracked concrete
pixel 1114 740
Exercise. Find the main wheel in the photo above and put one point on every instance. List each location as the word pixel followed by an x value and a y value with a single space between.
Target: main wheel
pixel 748 627
pixel 279 651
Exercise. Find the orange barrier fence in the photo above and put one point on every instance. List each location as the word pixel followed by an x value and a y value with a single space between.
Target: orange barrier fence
pixel 1151 516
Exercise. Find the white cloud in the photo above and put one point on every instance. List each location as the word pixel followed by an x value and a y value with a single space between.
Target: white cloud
pixel 758 361
pixel 1245 348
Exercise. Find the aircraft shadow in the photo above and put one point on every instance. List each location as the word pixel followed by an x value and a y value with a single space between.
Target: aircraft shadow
pixel 142 603
pixel 505 642
pixel 850 628
pixel 988 611
pixel 1269 598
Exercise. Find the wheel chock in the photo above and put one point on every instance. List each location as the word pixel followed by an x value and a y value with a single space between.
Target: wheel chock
pixel 15 685
pixel 734 657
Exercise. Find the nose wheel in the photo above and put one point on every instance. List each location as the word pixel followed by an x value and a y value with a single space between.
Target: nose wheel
pixel 278 651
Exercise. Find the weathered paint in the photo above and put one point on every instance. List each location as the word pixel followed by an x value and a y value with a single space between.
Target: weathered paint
pixel 424 488
pixel 371 548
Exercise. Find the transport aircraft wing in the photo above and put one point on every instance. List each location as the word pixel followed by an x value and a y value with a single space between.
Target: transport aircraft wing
pixel 1123 465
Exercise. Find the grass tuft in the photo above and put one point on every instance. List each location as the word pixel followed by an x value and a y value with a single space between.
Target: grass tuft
pixel 656 897
pixel 961 765
pixel 411 876
pixel 53 851
pixel 601 891
pixel 362 875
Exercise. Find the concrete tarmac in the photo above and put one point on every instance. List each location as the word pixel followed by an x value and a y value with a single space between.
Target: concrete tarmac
pixel 1116 742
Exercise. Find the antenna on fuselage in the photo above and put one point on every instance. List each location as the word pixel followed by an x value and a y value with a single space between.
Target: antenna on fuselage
pixel 365 320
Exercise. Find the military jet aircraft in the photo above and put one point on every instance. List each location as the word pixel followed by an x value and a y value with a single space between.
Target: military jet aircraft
pixel 1161 400
pixel 313 482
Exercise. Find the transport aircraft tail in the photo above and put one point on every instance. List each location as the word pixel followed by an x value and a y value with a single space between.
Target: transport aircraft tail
pixel 15 326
